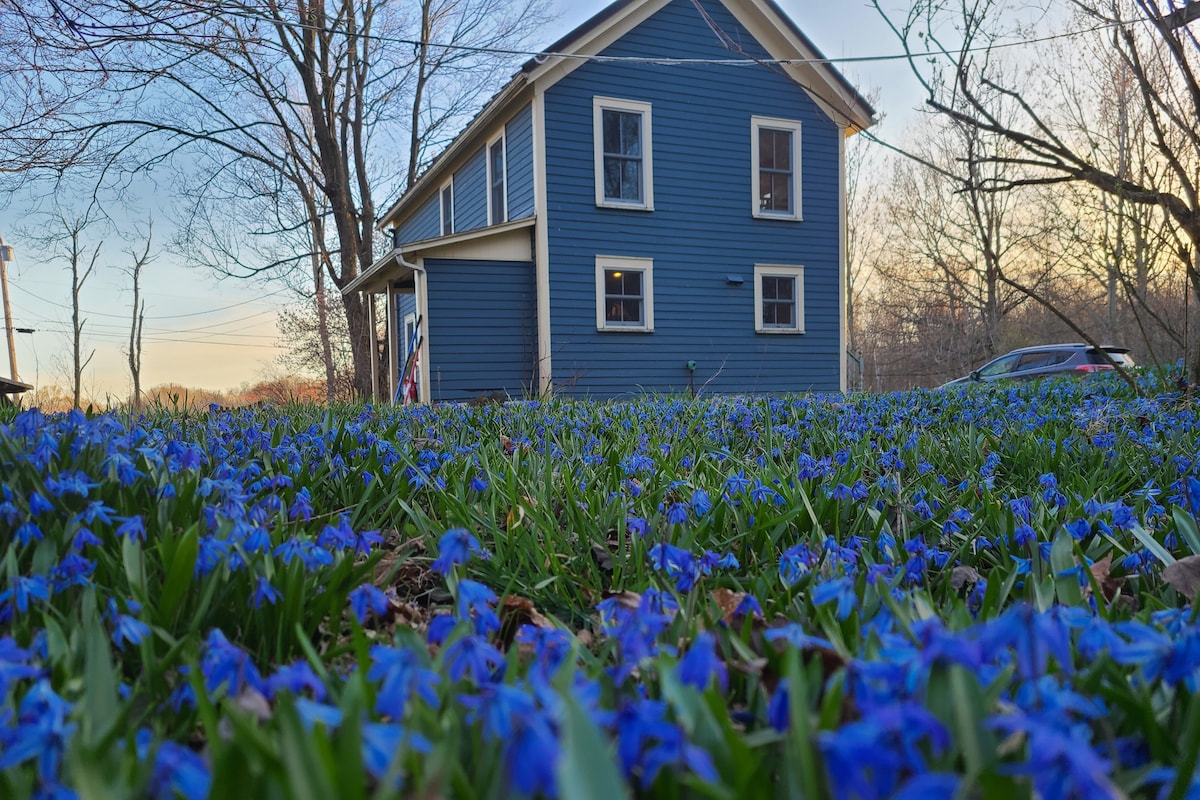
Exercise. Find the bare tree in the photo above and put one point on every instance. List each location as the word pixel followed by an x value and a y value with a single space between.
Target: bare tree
pixel 138 317
pixel 1154 41
pixel 285 116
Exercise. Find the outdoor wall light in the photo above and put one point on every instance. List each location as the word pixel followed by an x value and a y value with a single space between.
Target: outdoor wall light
pixel 734 280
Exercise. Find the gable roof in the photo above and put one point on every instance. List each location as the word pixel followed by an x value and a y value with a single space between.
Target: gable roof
pixel 774 30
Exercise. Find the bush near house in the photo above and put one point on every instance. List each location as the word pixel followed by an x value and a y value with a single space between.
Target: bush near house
pixel 978 593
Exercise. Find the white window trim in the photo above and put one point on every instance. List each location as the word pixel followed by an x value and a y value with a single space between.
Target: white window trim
pixel 599 105
pixel 491 213
pixel 796 214
pixel 446 226
pixel 646 267
pixel 785 271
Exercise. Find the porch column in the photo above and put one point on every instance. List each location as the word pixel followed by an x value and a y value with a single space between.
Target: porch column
pixel 374 348
pixel 392 340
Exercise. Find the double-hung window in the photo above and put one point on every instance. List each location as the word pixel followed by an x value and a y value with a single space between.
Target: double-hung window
pixel 446 200
pixel 624 294
pixel 497 187
pixel 778 298
pixel 622 139
pixel 775 156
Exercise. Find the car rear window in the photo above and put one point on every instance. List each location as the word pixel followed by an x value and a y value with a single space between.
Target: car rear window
pixel 1096 357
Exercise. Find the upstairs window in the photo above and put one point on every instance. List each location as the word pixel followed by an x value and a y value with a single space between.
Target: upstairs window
pixel 778 299
pixel 497 187
pixel 447 213
pixel 624 294
pixel 622 140
pixel 775 154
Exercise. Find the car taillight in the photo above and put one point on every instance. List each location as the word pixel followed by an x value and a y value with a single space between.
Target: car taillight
pixel 1092 367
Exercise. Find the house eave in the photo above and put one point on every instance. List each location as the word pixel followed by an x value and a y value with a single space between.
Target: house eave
pixel 391 266
pixel 433 177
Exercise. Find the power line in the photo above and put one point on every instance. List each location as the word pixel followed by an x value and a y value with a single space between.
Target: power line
pixel 544 55
pixel 23 290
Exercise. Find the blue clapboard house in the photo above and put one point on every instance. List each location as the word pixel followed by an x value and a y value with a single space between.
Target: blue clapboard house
pixel 657 204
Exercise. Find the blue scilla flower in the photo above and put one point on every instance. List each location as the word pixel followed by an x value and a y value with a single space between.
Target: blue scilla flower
pixel 301 507
pixel 25 590
pixel 868 758
pixel 473 657
pixel 700 503
pixel 677 563
pixel 70 482
pixel 677 513
pixel 531 757
pixel 401 676
pixel 1031 637
pixel 367 599
pixel 551 646
pixel 475 601
pixel 1060 759
pixel 385 742
pixel 456 547
pixel 132 528
pixel 796 562
pixel 28 532
pixel 839 590
pixel 298 678
pixel 312 713
pixel 179 773
pixel 224 664
pixel 41 733
pixel 647 741
pixel 702 664
pixel 794 635
pixel 500 707
pixel 14 665
pixel 264 592
pixel 479 483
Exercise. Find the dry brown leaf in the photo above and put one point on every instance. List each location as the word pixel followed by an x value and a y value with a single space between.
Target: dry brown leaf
pixel 1184 576
pixel 523 611
pixel 728 602
pixel 626 599
pixel 1109 584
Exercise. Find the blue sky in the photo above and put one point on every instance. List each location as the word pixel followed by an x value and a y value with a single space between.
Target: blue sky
pixel 217 334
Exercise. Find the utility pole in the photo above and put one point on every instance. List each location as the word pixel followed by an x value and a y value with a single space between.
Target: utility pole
pixel 6 255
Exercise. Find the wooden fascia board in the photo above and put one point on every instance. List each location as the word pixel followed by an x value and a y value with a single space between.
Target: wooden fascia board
pixel 594 41
pixel 824 84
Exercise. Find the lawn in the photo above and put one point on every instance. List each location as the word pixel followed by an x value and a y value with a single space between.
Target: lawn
pixel 980 593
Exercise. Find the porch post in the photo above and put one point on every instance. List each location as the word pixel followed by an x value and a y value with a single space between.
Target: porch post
pixel 374 347
pixel 392 340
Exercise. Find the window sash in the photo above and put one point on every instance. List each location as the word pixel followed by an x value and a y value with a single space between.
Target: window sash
pixel 447 214
pixel 779 301
pixel 775 175
pixel 622 149
pixel 497 209
pixel 624 297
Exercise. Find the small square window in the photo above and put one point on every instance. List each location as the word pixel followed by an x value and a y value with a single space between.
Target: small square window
pixel 778 299
pixel 624 294
pixel 775 157
pixel 622 141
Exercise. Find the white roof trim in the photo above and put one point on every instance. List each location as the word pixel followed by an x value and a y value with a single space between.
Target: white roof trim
pixel 371 278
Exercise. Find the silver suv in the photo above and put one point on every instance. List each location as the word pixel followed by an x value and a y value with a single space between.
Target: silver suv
pixel 1029 363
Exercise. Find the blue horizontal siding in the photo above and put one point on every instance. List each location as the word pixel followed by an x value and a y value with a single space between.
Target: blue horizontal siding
pixel 701 229
pixel 482 327
pixel 518 145
pixel 470 194
pixel 424 223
